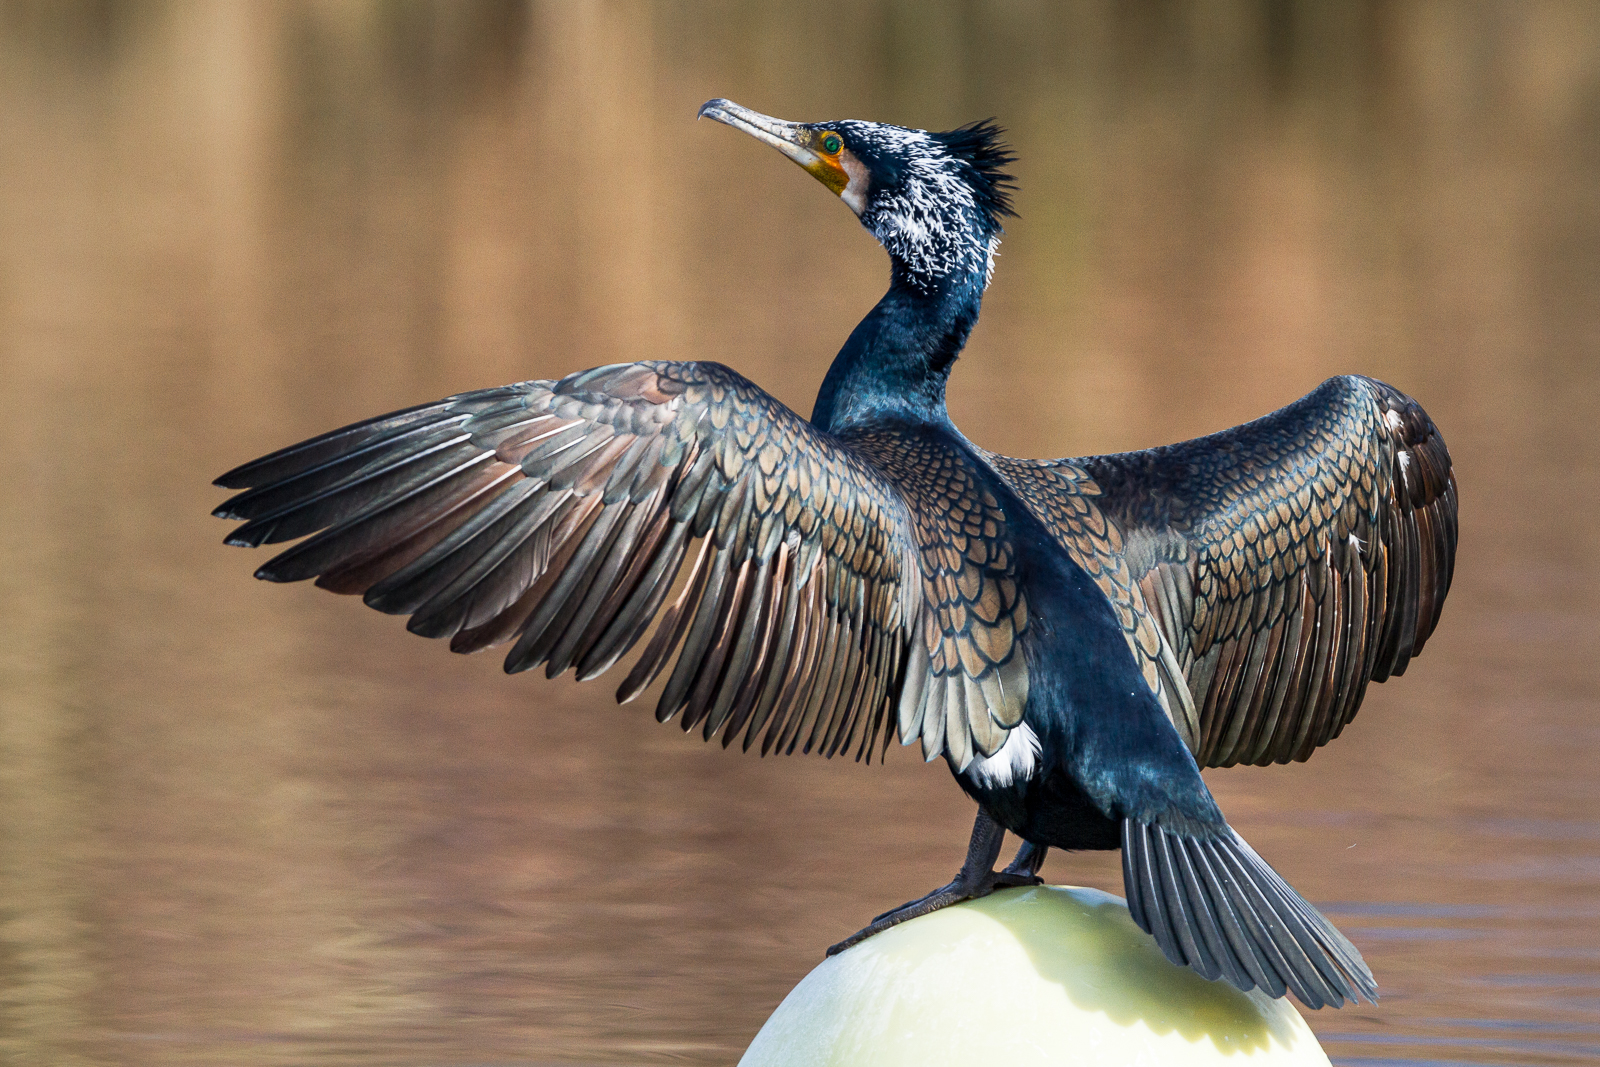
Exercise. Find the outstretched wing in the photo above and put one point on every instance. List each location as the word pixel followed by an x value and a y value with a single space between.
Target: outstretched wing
pixel 1277 567
pixel 559 515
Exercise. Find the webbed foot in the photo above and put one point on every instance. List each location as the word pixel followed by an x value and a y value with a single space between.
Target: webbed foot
pixel 977 878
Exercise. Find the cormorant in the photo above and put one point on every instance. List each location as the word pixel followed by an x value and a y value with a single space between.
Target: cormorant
pixel 1076 637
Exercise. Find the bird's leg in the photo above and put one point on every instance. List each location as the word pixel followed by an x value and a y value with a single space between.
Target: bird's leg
pixel 1024 869
pixel 977 878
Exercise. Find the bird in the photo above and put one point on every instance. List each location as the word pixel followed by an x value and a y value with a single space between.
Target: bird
pixel 1076 638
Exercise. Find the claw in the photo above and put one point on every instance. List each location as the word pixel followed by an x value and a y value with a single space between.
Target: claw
pixel 1008 878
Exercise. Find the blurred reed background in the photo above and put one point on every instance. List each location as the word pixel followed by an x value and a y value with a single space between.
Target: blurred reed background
pixel 258 825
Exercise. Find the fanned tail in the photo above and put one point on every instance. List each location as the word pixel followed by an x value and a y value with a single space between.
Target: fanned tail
pixel 1214 905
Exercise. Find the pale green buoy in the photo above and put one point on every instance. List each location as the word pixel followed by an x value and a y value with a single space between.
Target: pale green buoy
pixel 1025 978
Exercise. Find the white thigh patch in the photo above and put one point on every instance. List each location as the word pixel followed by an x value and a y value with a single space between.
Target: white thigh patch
pixel 1017 759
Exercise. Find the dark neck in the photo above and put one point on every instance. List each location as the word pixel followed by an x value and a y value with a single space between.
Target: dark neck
pixel 895 364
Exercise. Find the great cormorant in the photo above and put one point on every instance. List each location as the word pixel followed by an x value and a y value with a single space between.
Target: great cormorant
pixel 1076 637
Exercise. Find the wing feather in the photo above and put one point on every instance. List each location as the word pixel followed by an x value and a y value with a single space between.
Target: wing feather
pixel 1279 566
pixel 558 516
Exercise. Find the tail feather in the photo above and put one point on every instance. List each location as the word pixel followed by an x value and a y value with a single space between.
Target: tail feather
pixel 1214 905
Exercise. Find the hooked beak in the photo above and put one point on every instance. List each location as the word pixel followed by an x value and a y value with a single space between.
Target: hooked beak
pixel 797 140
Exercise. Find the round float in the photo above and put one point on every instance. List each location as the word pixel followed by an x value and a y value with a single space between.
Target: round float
pixel 1041 976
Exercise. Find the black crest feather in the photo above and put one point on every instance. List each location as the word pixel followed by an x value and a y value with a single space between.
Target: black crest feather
pixel 980 146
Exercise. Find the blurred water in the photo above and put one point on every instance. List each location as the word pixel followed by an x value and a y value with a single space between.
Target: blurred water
pixel 256 825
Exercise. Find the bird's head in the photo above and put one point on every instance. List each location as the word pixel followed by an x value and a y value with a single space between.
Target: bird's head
pixel 935 200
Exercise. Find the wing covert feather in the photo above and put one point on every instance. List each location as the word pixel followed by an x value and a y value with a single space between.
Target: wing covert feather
pixel 975 610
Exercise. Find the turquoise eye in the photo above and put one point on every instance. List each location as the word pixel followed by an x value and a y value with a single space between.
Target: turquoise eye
pixel 831 143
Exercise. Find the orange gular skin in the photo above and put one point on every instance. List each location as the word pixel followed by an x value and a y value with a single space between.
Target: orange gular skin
pixel 841 172
pixel 829 170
